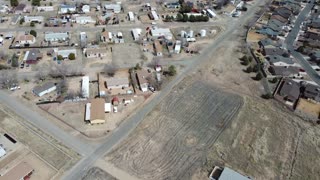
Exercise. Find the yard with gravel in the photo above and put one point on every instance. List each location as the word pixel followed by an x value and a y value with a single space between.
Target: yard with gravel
pixel 174 138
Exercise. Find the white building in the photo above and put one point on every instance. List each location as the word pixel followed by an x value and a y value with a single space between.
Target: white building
pixel 177 47
pixel 116 8
pixel 37 19
pixel 53 37
pixel 117 83
pixel 2 152
pixel 67 9
pixel 107 107
pixel 4 9
pixel 84 20
pixel 85 87
pixel 88 112
pixel 44 89
pixel 85 8
pixel 136 33
pixel 130 16
pixel 45 8
pixel 157 32
pixel 154 16
pixel 211 14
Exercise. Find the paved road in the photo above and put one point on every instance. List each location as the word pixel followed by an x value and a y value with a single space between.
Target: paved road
pixel 45 125
pixel 291 39
pixel 130 124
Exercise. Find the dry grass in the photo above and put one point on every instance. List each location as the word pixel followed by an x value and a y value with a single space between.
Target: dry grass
pixel 172 141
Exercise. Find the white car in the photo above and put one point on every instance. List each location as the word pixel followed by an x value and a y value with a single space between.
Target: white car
pixel 115 109
pixel 14 88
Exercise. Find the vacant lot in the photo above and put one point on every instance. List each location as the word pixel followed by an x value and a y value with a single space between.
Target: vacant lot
pixel 126 54
pixel 266 142
pixel 173 139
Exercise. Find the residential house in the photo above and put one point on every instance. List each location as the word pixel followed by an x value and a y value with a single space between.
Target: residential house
pixel 267 43
pixel 2 152
pixel 85 88
pixel 136 33
pixel 23 170
pixel 289 91
pixel 161 32
pixel 315 56
pixel 275 25
pixel 35 19
pixel 85 8
pixel 32 56
pixel 226 173
pixel 158 48
pixel 268 31
pixel 44 89
pixel 277 60
pixel 66 52
pixel 95 52
pixel 45 8
pixel 312 91
pixel 106 37
pixel 117 83
pixel 274 51
pixel 285 71
pixel 279 18
pixel 172 5
pixel 84 20
pixel 56 36
pixel 25 39
pixel 283 11
pixel 64 9
pixel 116 8
pixel 95 111
pixel 130 16
pixel 153 15
pixel 170 46
pixel 177 47
pixel 142 77
pixel 21 8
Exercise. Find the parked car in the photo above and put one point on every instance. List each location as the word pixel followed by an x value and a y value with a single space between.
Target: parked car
pixel 14 87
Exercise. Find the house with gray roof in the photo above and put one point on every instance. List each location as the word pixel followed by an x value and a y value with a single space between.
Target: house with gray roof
pixel 289 92
pixel 226 173
pixel 277 60
pixel 32 56
pixel 44 89
pixel 56 36
pixel 312 91
pixel 274 51
pixel 285 71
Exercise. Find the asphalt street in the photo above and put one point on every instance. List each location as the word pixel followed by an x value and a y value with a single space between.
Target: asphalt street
pixel 291 39
pixel 130 124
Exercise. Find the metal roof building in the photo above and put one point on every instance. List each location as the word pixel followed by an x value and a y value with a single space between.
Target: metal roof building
pixel 2 152
pixel 85 86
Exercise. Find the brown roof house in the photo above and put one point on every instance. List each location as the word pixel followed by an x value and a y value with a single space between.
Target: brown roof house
pixel 25 39
pixel 158 48
pixel 106 37
pixel 32 56
pixel 95 111
pixel 142 76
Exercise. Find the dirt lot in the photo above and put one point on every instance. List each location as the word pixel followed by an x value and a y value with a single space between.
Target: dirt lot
pixel 126 54
pixel 177 133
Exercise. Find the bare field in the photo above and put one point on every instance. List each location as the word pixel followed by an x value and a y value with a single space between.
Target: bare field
pixel 263 143
pixel 174 138
pixel 126 54
pixel 96 173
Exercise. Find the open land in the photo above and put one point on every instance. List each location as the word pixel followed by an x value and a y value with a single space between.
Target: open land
pixel 177 133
